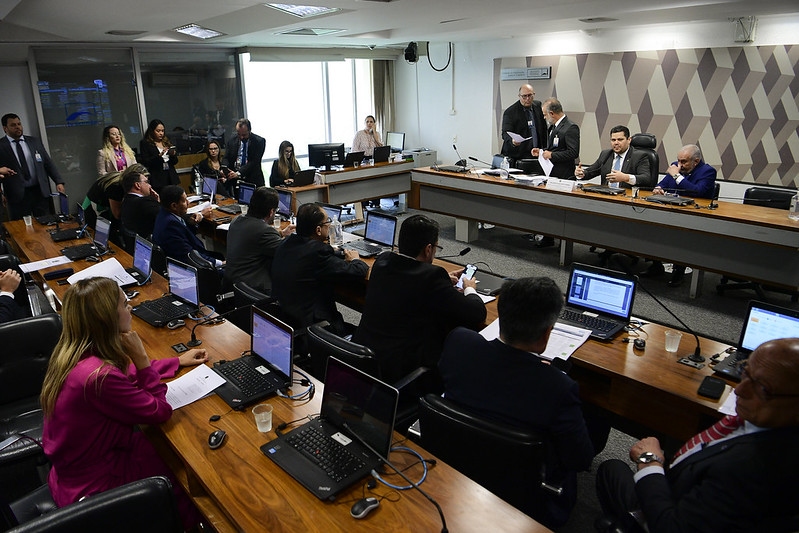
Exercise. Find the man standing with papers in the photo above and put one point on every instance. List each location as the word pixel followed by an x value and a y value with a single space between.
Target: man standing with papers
pixel 537 396
pixel 525 119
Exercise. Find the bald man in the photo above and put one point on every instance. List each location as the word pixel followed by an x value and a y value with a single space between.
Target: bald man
pixel 526 118
pixel 741 476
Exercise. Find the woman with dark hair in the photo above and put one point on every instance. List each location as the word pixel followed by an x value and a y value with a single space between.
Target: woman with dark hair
pixel 115 155
pixel 367 139
pixel 285 166
pixel 100 383
pixel 212 166
pixel 159 156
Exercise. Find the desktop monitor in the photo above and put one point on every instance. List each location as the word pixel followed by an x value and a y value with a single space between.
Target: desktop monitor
pixel 325 155
pixel 396 141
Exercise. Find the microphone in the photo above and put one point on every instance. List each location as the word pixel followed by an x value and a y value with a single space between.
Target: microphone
pixel 461 162
pixel 479 161
pixel 194 342
pixel 459 254
pixel 402 475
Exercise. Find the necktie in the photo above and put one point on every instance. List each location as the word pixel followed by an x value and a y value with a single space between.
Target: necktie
pixel 617 163
pixel 533 133
pixel 23 161
pixel 717 431
pixel 243 152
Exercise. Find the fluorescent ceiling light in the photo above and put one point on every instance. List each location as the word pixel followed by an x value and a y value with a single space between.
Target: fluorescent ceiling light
pixel 198 31
pixel 303 11
pixel 309 31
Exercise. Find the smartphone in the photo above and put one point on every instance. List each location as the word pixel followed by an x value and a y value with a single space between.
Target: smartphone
pixel 468 273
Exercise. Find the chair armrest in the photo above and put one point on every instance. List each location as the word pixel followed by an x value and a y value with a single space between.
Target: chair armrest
pixel 410 378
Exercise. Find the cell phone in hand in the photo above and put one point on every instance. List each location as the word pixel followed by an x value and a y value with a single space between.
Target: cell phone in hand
pixel 468 273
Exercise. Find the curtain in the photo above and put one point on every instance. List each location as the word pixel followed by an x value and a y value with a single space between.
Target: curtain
pixel 383 93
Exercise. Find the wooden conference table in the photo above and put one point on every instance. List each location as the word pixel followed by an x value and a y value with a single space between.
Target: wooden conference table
pixel 748 241
pixel 236 487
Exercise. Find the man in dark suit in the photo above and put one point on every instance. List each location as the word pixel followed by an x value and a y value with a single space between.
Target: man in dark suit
pixel 175 232
pixel 243 155
pixel 739 475
pixel 412 304
pixel 621 165
pixel 534 395
pixel 9 310
pixel 524 118
pixel 25 183
pixel 252 241
pixel 563 140
pixel 306 269
pixel 140 205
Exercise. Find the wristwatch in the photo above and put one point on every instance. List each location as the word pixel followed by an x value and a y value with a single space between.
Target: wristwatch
pixel 648 457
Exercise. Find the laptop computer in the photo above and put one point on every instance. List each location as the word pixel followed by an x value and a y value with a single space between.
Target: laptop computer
pixel 333 211
pixel 243 198
pixel 98 247
pixel 182 300
pixel 142 256
pixel 352 158
pixel 353 403
pixel 267 369
pixel 381 154
pixel 304 177
pixel 668 199
pixel 284 203
pixel 209 188
pixel 62 209
pixel 378 235
pixel 598 299
pixel 763 322
pixel 70 234
pixel 604 189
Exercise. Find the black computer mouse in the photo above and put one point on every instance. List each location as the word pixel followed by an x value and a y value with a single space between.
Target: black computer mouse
pixel 639 344
pixel 216 439
pixel 175 324
pixel 363 507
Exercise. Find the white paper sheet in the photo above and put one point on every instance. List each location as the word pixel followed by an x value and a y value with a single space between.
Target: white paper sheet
pixel 563 341
pixel 199 207
pixel 44 263
pixel 110 268
pixel 728 407
pixel 546 164
pixel 518 138
pixel 192 386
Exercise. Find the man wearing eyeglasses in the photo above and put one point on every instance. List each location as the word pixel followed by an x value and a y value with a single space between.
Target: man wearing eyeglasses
pixel 524 118
pixel 738 475
pixel 141 203
pixel 306 269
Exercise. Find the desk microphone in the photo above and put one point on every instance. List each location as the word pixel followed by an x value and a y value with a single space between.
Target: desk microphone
pixel 194 342
pixel 459 254
pixel 479 161
pixel 402 474
pixel 461 162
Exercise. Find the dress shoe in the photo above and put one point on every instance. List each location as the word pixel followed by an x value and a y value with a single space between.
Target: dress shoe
pixel 545 242
pixel 655 269
pixel 604 258
pixel 677 275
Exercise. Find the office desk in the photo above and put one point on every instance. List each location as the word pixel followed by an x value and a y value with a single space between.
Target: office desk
pixel 368 182
pixel 748 241
pixel 237 488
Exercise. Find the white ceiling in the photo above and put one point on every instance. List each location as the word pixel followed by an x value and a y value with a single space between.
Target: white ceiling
pixel 365 22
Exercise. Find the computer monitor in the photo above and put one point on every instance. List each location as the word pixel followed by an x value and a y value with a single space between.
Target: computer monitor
pixel 396 141
pixel 325 155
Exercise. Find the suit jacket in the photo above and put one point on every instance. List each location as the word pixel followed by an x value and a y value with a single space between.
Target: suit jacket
pixel 104 166
pixel 13 186
pixel 150 158
pixel 410 308
pixel 566 149
pixel 515 119
pixel 635 163
pixel 699 183
pixel 139 213
pixel 9 310
pixel 251 246
pixel 177 239
pixel 304 272
pixel 746 483
pixel 251 172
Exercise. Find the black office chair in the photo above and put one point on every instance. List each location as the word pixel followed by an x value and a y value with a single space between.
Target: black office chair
pixel 508 461
pixel 244 297
pixel 158 261
pixel 145 505
pixel 25 509
pixel 27 346
pixel 647 143
pixel 210 283
pixel 775 199
pixel 128 239
pixel 21 293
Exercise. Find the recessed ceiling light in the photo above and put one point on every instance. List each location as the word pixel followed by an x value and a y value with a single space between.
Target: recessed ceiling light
pixel 198 31
pixel 126 33
pixel 309 31
pixel 594 20
pixel 303 11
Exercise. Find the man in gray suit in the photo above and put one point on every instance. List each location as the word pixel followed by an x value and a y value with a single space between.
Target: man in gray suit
pixel 621 165
pixel 25 184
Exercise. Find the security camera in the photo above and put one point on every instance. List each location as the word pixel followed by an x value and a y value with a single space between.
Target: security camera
pixel 371 47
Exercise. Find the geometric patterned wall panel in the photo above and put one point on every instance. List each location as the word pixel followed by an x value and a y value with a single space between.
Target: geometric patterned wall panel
pixel 739 104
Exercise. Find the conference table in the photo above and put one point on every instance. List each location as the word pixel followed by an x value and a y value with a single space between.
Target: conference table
pixel 236 487
pixel 745 241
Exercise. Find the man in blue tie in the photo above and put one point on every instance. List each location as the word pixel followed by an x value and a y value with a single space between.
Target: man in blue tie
pixel 621 165
pixel 243 155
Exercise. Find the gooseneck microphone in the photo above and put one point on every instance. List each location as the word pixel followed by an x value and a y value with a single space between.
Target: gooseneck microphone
pixel 461 162
pixel 459 254
pixel 480 161
pixel 194 342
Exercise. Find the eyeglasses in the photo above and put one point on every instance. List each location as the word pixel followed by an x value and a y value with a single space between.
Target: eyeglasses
pixel 326 222
pixel 761 389
pixel 525 96
pixel 213 148
pixel 439 248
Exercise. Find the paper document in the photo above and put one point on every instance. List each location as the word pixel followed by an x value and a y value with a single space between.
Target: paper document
pixel 728 407
pixel 192 386
pixel 486 299
pixel 564 341
pixel 225 226
pixel 110 268
pixel 193 198
pixel 518 138
pixel 44 263
pixel 199 207
pixel 546 164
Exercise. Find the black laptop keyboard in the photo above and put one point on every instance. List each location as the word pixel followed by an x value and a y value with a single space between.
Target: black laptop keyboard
pixel 246 378
pixel 164 308
pixel 232 209
pixel 363 246
pixel 323 450
pixel 590 322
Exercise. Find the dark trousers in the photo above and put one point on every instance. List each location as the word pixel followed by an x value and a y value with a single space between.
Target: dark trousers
pixel 615 489
pixel 32 203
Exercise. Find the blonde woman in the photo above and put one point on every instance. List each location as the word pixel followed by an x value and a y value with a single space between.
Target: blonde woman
pixel 100 383
pixel 285 166
pixel 115 155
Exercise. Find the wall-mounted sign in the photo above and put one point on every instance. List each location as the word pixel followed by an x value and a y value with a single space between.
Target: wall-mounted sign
pixel 531 73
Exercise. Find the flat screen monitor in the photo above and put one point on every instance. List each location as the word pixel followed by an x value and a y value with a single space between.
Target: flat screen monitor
pixel 396 141
pixel 325 155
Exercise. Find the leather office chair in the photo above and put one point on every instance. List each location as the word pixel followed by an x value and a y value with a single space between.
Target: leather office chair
pixel 28 344
pixel 158 261
pixel 145 505
pixel 128 239
pixel 647 143
pixel 508 461
pixel 210 283
pixel 21 293
pixel 25 509
pixel 244 297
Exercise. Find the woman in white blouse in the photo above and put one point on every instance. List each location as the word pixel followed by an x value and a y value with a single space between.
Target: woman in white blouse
pixel 367 139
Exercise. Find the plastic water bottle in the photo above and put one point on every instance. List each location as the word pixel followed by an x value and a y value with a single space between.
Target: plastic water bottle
pixel 793 212
pixel 198 181
pixel 504 168
pixel 336 234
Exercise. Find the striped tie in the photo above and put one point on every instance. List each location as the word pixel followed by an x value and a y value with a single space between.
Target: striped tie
pixel 717 431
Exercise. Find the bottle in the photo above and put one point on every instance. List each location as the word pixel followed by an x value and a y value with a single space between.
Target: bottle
pixel 198 181
pixel 504 168
pixel 793 212
pixel 336 235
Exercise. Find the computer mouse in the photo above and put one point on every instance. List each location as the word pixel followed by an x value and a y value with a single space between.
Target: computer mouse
pixel 175 324
pixel 639 344
pixel 363 507
pixel 216 439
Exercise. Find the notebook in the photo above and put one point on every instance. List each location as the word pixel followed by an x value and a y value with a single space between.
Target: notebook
pixel 243 198
pixel 352 158
pixel 304 177
pixel 763 322
pixel 181 301
pixel 209 188
pixel 142 256
pixel 598 299
pixel 98 247
pixel 333 211
pixel 284 203
pixel 352 399
pixel 71 233
pixel 381 154
pixel 669 200
pixel 603 189
pixel 378 235
pixel 267 369
pixel 63 211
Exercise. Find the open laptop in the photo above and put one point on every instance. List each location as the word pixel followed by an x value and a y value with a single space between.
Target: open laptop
pixel 598 299
pixel 267 369
pixel 62 210
pixel 304 177
pixel 381 154
pixel 182 300
pixel 353 403
pixel 378 235
pixel 98 247
pixel 243 198
pixel 333 211
pixel 284 204
pixel 352 158
pixel 142 256
pixel 763 322
pixel 667 199
pixel 209 188
pixel 70 234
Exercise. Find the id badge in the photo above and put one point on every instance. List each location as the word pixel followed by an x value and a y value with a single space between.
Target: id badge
pixel 529 123
pixel 38 157
pixel 555 141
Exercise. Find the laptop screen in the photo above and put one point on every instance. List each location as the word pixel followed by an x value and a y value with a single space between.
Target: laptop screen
pixel 380 228
pixel 245 193
pixel 63 203
pixel 101 231
pixel 766 322
pixel 80 216
pixel 333 211
pixel 209 187
pixel 367 405
pixel 142 254
pixel 182 281
pixel 284 203
pixel 602 290
pixel 272 341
